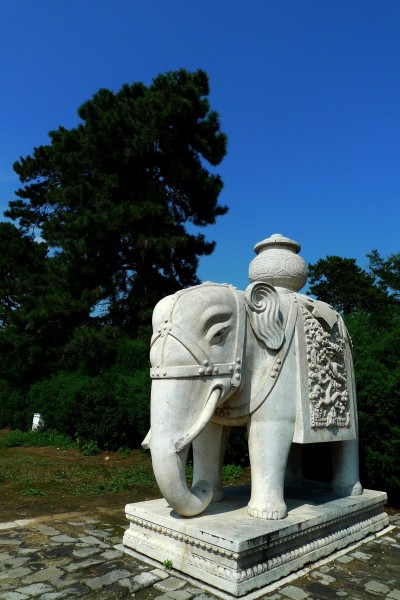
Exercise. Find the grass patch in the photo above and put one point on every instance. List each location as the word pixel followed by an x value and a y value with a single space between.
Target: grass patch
pixel 229 473
pixel 31 491
pixel 127 478
pixel 35 439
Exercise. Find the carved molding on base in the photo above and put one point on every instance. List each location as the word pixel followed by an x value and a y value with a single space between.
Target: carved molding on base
pixel 140 541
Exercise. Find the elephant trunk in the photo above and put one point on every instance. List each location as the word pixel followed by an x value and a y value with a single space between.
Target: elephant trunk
pixel 172 421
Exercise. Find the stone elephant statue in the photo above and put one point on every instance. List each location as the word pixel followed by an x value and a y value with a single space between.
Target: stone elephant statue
pixel 271 359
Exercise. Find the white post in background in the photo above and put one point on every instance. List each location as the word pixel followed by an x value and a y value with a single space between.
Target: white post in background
pixel 37 421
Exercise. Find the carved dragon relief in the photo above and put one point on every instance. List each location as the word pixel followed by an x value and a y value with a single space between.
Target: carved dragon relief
pixel 327 377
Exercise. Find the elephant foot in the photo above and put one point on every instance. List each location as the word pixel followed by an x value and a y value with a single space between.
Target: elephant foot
pixel 273 511
pixel 347 490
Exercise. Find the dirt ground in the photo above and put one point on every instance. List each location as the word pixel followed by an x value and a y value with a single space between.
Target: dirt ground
pixel 37 482
pixel 42 481
pixel 45 481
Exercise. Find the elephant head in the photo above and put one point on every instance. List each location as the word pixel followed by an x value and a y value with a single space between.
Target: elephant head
pixel 198 358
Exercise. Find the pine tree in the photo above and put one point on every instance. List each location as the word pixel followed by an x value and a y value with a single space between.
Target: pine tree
pixel 111 197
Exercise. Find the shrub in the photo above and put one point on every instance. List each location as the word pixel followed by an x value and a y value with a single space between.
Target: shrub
pixel 112 409
pixel 13 408
pixel 37 438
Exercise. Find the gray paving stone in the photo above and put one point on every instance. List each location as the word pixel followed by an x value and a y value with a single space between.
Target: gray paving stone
pixel 10 542
pixel 83 564
pixel 55 595
pixel 90 539
pixel 73 580
pixel 361 555
pixel 15 573
pixel 63 539
pixel 139 582
pixel 112 554
pixel 70 592
pixel 98 532
pixel 13 596
pixel 99 582
pixel 5 556
pixel 376 588
pixel 204 596
pixel 394 595
pixel 35 589
pixel 388 540
pixel 323 577
pixel 7 525
pixel 24 522
pixel 178 595
pixel 47 530
pixel 162 574
pixel 345 558
pixel 169 585
pixel 47 575
pixel 13 563
pixel 293 592
pixel 85 552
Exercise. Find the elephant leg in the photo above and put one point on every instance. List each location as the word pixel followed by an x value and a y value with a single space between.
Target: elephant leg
pixel 294 473
pixel 346 480
pixel 208 457
pixel 269 445
pixel 271 430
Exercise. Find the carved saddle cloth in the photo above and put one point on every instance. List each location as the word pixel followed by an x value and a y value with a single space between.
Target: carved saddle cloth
pixel 326 408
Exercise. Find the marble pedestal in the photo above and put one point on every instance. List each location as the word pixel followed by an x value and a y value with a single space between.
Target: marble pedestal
pixel 233 552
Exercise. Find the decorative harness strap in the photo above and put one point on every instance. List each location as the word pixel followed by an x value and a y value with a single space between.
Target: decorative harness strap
pixel 204 366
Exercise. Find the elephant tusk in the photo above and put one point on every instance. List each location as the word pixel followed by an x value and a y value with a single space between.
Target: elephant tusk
pixel 204 418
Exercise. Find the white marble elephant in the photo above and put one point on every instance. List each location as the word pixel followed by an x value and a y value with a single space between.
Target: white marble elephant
pixel 268 358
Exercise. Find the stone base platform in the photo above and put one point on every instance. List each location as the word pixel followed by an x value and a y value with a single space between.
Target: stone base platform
pixel 238 554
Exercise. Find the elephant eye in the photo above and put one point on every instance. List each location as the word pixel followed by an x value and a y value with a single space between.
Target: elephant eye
pixel 217 327
pixel 218 335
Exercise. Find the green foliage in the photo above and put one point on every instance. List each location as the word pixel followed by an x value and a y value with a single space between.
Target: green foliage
pixel 110 410
pixel 237 451
pixel 341 283
pixel 89 448
pixel 370 302
pixel 377 369
pixel 31 491
pixel 36 438
pixel 231 472
pixel 387 272
pixel 124 452
pixel 99 236
pixel 13 413
pixel 111 197
pixel 168 564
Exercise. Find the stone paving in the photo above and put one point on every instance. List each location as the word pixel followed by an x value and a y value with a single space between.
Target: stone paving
pixel 61 558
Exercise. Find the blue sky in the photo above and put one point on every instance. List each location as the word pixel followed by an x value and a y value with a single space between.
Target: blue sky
pixel 308 92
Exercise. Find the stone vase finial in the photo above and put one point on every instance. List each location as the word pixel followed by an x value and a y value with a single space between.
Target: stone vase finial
pixel 278 263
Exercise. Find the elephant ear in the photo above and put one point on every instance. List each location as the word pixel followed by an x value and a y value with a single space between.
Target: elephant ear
pixel 262 306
